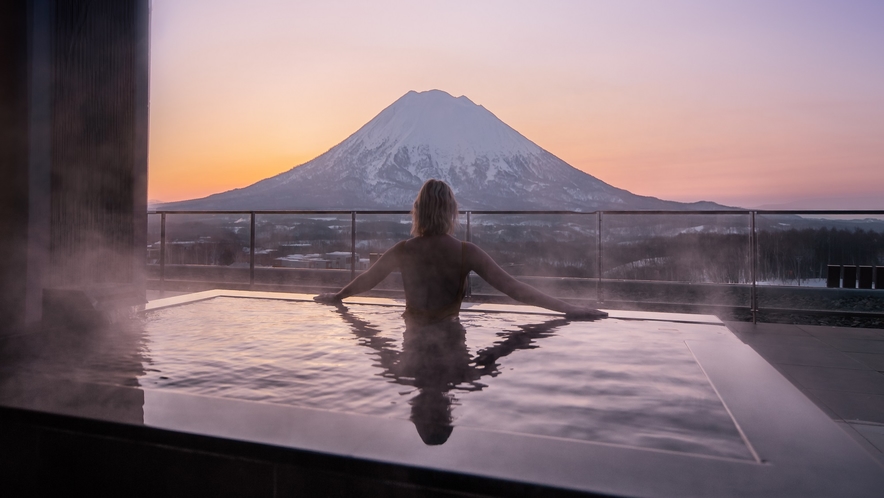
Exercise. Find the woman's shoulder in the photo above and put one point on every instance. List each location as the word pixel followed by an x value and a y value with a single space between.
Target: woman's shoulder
pixel 475 256
pixel 400 246
pixel 470 247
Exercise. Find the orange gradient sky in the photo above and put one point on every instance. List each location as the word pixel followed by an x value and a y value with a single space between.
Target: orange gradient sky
pixel 744 103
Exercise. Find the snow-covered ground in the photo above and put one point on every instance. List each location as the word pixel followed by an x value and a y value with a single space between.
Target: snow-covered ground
pixel 805 282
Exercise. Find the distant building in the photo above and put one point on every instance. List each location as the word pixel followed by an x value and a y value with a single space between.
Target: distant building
pixel 313 261
pixel 341 260
pixel 338 260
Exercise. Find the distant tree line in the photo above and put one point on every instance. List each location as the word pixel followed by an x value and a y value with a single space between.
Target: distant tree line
pixel 792 254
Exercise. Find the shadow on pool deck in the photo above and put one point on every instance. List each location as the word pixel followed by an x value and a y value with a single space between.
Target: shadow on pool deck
pixel 840 369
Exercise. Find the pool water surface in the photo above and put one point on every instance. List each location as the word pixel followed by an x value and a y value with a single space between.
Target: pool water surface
pixel 624 382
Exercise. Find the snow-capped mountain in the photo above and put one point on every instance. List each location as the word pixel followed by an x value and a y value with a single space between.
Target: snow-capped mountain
pixel 426 135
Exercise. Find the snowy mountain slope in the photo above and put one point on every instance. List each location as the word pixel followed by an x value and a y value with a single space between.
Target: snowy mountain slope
pixel 433 135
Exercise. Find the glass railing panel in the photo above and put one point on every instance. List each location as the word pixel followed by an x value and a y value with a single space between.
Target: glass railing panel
pixel 820 261
pixel 308 250
pixel 375 233
pixel 556 253
pixel 667 258
pixel 201 247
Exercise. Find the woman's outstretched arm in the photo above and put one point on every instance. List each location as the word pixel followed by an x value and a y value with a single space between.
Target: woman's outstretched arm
pixel 368 279
pixel 481 263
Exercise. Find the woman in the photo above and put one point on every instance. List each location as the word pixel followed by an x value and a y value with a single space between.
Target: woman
pixel 434 266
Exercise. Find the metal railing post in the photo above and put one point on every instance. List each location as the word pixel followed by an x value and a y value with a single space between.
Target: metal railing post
pixel 352 245
pixel 468 290
pixel 469 235
pixel 598 282
pixel 162 252
pixel 753 295
pixel 252 249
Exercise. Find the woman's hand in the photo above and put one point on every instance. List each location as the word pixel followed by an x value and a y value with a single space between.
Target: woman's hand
pixel 578 313
pixel 328 298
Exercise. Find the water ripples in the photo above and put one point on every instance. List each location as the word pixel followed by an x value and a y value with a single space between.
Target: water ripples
pixel 610 381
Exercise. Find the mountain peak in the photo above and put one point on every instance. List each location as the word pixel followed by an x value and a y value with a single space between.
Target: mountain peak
pixel 434 93
pixel 440 122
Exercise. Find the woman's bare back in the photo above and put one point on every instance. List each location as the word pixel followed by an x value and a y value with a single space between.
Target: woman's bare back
pixel 432 270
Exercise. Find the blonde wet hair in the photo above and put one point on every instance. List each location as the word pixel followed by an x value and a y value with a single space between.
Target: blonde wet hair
pixel 435 210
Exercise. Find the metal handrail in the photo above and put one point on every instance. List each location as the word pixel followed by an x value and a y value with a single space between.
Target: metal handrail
pixel 844 212
pixel 599 214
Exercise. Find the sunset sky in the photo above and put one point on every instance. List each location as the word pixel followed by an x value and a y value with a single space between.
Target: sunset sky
pixel 745 103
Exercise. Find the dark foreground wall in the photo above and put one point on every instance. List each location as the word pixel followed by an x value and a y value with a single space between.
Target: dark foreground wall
pixel 73 144
pixel 45 454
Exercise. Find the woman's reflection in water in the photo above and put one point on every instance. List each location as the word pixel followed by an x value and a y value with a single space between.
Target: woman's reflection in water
pixel 435 360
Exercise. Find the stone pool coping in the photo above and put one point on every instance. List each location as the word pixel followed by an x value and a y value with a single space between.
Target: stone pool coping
pixel 466 307
pixel 798 449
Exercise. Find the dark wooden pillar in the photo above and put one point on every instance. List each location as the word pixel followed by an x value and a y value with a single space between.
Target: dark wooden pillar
pixel 76 137
pixel 13 162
